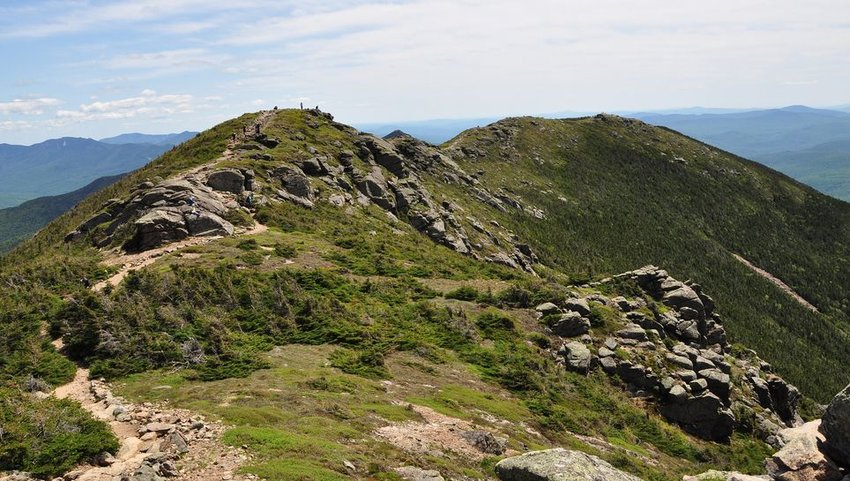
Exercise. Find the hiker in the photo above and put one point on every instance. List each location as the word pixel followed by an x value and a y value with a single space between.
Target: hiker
pixel 249 201
pixel 302 105
pixel 256 129
pixel 191 201
pixel 85 282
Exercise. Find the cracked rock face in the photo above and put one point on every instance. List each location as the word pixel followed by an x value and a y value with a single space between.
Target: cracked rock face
pixel 676 356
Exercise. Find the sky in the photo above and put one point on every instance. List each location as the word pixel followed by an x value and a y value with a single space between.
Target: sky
pixel 100 68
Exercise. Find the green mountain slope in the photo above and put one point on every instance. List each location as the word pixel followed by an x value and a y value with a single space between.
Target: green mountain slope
pixel 18 223
pixel 808 144
pixel 57 166
pixel 364 282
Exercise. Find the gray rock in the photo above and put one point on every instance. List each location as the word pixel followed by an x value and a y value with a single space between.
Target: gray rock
pixel 207 224
pixel 684 296
pixel 632 331
pixel 608 364
pixel 785 398
pixel 547 308
pixel 558 465
pixel 704 416
pixel 718 382
pixel 227 180
pixel 835 427
pixel 801 459
pixel 485 441
pixel 294 182
pixel 156 228
pixel 679 361
pixel 577 356
pixel 577 305
pixel 570 324
pixel 412 473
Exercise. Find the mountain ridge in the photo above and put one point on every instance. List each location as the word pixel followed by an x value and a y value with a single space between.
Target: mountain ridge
pixel 386 265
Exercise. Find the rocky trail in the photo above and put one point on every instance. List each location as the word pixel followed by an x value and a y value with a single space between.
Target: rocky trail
pixel 778 282
pixel 156 442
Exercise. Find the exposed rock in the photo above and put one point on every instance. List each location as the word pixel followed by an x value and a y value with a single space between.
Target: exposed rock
pixel 547 308
pixel 227 180
pixel 485 442
pixel 558 465
pixel 835 428
pixel 412 473
pixel 704 416
pixel 157 228
pixel 207 224
pixel 385 155
pixel 724 476
pixel 571 324
pixel 801 459
pixel 294 181
pixel 577 356
pixel 577 305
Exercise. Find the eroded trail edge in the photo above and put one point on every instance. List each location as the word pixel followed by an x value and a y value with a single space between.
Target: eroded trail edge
pixel 778 282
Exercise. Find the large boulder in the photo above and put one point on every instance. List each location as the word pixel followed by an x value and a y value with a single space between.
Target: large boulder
pixel 835 427
pixel 208 224
pixel 570 324
pixel 559 465
pixel 801 458
pixel 294 182
pixel 704 416
pixel 227 180
pixel 385 155
pixel 576 356
pixel 156 228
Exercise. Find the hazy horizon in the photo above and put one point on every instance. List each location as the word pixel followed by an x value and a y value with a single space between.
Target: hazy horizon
pixel 96 69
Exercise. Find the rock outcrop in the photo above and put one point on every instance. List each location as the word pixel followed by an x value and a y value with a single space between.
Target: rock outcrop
pixel 559 465
pixel 801 459
pixel 835 427
pixel 156 214
pixel 670 346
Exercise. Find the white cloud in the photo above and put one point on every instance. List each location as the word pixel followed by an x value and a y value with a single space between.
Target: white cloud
pixel 27 106
pixel 148 103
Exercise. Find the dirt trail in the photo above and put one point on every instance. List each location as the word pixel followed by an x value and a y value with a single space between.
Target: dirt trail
pixel 155 440
pixel 778 282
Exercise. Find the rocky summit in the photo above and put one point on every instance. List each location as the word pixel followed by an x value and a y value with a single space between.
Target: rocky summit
pixel 285 297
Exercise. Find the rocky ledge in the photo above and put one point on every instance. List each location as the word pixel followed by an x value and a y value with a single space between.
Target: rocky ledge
pixel 668 345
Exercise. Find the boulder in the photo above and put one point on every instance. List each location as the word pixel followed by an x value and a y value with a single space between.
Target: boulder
pixel 718 382
pixel 156 228
pixel 485 442
pixel 571 324
pixel 227 180
pixel 294 182
pixel 704 416
pixel 547 308
pixel 385 155
pixel 558 465
pixel 683 296
pixel 801 459
pixel 632 331
pixel 207 224
pixel 577 356
pixel 412 473
pixel 785 398
pixel 835 428
pixel 577 305
pixel 713 475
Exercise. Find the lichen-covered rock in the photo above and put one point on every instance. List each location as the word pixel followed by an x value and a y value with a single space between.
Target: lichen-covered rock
pixel 227 180
pixel 801 458
pixel 559 465
pixel 835 427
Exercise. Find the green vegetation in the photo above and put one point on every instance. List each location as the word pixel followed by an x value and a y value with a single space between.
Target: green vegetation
pixel 48 437
pixel 311 336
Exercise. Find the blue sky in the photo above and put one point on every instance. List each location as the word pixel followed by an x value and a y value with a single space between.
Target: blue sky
pixel 98 68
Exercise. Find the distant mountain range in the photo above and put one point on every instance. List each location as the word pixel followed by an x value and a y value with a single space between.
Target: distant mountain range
pixel 810 145
pixel 58 166
pixel 40 182
pixel 159 139
pixel 18 223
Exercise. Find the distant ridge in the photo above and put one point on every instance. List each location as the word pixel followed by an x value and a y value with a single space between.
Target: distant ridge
pixel 159 139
